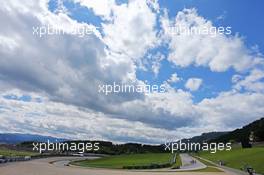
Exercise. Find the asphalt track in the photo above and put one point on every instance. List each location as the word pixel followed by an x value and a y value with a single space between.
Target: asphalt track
pixel 56 166
pixel 190 163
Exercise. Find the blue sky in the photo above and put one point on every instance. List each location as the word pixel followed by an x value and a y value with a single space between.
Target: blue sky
pixel 49 84
pixel 234 12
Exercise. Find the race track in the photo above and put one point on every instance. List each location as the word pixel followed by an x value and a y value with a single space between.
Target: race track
pixel 45 167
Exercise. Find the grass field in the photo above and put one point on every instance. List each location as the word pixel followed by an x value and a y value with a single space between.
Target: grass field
pixel 178 162
pixel 238 157
pixel 126 160
pixel 8 152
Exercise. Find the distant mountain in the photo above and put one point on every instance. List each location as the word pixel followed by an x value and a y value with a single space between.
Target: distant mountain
pixel 14 138
pixel 255 128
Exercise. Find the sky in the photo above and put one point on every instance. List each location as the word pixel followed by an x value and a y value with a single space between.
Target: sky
pixel 49 84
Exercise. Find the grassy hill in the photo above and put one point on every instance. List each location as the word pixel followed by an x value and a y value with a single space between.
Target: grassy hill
pixel 238 157
pixel 12 153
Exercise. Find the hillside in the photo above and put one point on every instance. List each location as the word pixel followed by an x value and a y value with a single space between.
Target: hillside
pixel 238 158
pixel 204 137
pixel 242 134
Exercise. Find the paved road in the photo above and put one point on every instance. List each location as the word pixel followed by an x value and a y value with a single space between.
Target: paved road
pixel 190 163
pixel 44 167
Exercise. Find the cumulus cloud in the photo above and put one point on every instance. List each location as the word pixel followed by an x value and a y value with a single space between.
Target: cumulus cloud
pixel 63 66
pixel 231 109
pixel 219 52
pixel 66 69
pixel 131 32
pixel 193 84
pixel 68 121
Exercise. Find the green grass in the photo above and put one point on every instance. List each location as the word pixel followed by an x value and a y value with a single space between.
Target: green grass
pixel 208 169
pixel 126 160
pixel 178 162
pixel 238 157
pixel 12 153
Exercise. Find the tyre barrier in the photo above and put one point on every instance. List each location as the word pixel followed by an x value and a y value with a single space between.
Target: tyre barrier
pixel 4 159
pixel 150 166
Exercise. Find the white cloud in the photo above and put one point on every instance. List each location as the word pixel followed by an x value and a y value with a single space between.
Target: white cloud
pixel 231 110
pixel 156 62
pixel 219 52
pixel 100 8
pixel 252 82
pixel 67 121
pixel 152 62
pixel 69 68
pixel 174 78
pixel 236 78
pixel 193 84
pixel 131 30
